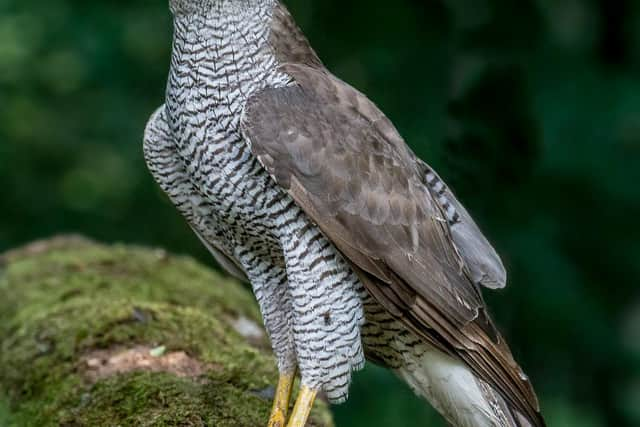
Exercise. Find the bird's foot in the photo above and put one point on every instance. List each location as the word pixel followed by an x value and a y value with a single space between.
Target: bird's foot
pixel 280 408
pixel 303 406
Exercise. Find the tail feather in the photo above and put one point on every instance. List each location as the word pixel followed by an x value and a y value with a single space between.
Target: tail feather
pixel 462 398
pixel 514 417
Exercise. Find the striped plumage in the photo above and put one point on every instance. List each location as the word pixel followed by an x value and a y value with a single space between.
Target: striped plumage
pixel 238 148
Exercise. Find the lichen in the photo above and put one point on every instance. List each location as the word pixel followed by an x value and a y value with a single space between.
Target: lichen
pixel 62 301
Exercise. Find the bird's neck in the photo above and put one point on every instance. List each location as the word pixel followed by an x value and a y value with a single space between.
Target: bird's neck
pixel 221 34
pixel 212 7
pixel 220 58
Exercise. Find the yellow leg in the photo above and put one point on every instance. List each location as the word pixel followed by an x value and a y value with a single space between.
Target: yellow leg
pixel 303 406
pixel 280 408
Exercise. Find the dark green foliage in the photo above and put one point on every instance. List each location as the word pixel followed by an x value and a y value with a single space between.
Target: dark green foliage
pixel 530 109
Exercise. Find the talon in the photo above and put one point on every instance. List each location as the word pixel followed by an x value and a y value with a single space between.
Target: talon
pixel 303 406
pixel 278 417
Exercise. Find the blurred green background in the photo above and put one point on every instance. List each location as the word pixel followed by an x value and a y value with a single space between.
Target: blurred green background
pixel 530 109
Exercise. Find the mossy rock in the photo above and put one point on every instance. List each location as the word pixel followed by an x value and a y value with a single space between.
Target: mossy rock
pixel 96 335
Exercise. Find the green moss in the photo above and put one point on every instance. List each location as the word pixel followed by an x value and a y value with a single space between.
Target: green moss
pixel 61 303
pixel 4 411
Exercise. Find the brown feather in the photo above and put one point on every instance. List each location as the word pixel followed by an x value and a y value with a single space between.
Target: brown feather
pixel 288 42
pixel 346 165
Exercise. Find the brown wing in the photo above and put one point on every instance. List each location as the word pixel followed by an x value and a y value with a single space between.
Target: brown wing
pixel 346 165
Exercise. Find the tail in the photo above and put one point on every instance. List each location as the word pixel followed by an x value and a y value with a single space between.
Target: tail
pixel 462 399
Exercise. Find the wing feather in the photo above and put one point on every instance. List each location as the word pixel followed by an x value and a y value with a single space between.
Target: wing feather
pixel 346 165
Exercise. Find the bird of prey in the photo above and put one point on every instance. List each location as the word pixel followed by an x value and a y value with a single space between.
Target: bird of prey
pixel 354 247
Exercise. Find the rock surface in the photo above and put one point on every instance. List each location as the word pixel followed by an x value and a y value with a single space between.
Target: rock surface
pixel 96 335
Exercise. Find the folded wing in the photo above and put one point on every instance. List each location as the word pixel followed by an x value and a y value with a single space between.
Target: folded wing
pixel 346 165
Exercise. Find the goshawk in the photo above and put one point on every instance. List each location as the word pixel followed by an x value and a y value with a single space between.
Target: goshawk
pixel 354 247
